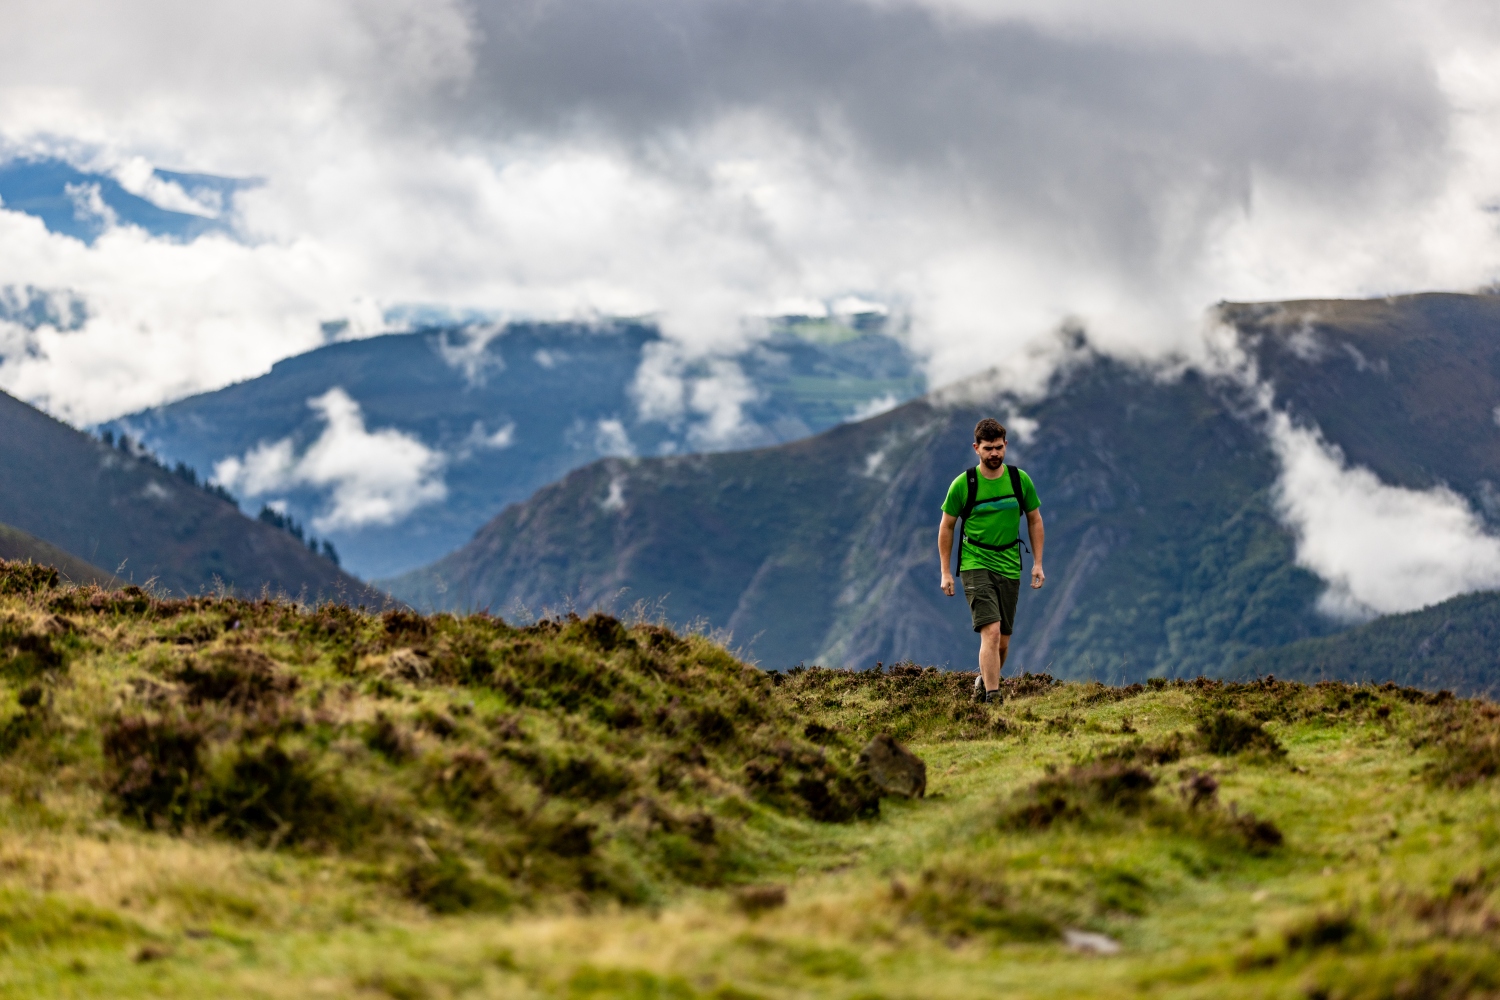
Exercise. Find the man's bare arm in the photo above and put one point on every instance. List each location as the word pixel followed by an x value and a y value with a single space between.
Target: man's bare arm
pixel 945 551
pixel 1038 533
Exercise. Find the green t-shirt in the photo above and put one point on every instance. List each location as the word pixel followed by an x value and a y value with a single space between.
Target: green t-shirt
pixel 996 520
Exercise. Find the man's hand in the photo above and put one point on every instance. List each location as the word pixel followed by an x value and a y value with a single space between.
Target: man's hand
pixel 948 584
pixel 1037 576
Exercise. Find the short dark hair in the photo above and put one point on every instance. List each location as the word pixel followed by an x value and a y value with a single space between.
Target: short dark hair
pixel 988 429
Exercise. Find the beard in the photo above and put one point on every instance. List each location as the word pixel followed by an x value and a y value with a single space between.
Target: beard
pixel 993 462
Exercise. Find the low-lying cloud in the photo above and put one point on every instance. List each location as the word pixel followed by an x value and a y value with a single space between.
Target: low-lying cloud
pixel 370 477
pixel 1380 548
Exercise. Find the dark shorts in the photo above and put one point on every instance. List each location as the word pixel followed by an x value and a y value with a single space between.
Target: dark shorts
pixel 992 598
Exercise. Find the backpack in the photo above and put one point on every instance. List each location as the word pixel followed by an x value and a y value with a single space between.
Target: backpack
pixel 973 498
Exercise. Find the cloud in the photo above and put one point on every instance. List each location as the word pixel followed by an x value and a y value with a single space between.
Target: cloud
pixel 614 500
pixel 613 439
pixel 990 170
pixel 874 408
pixel 708 394
pixel 371 477
pixel 139 177
pixel 1382 549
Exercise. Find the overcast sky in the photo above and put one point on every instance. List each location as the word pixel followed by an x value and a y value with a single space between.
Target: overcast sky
pixel 991 169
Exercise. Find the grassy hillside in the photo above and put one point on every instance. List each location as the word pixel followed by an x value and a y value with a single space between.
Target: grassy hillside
pixel 1455 644
pixel 228 798
pixel 18 546
pixel 145 523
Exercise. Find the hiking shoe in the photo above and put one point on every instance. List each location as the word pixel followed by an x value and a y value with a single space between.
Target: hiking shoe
pixel 995 697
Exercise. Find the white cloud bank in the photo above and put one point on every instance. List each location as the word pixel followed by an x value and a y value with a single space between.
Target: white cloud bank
pixel 1382 549
pixel 989 170
pixel 371 477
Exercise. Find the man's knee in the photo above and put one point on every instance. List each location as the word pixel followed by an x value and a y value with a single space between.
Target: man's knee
pixel 991 633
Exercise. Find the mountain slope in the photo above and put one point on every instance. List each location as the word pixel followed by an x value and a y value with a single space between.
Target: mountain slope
pixel 112 509
pixel 1406 386
pixel 504 413
pixel 18 546
pixel 1165 553
pixel 1453 645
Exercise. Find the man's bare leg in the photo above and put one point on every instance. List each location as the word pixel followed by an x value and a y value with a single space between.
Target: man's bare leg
pixel 993 649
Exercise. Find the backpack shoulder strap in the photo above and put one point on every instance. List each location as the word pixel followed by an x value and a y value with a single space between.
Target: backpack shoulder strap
pixel 1015 487
pixel 973 483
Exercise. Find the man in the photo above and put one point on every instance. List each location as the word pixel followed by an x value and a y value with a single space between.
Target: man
pixel 990 557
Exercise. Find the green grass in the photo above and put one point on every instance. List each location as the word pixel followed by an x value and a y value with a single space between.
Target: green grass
pixel 437 854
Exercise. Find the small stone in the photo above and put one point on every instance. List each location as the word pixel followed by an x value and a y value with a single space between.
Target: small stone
pixel 1090 943
pixel 894 769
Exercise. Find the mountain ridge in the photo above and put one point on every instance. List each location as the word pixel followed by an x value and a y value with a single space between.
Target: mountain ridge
pixel 1167 551
pixel 501 413
pixel 100 504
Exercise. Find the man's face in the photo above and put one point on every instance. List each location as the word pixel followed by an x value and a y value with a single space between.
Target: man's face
pixel 991 453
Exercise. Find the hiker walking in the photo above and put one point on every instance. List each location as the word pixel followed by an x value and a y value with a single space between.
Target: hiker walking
pixel 990 499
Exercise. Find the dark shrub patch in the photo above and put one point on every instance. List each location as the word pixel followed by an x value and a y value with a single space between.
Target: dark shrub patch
pixel 192 631
pixel 701 828
pixel 1165 752
pixel 1324 930
pixel 604 632
pixel 621 713
pixel 1227 733
pixel 757 899
pixel 664 639
pixel 439 724
pixel 838 798
pixel 405 625
pixel 443 883
pixel 1075 793
pixel 155 768
pixel 1260 835
pixel 820 733
pixel 550 677
pixel 1200 789
pixel 334 621
pixel 570 838
pixel 582 777
pixel 1466 755
pixel 1029 684
pixel 29 722
pixel 26 577
pixel 713 725
pixel 278 796
pixel 239 677
pixel 386 737
pixel 25 655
